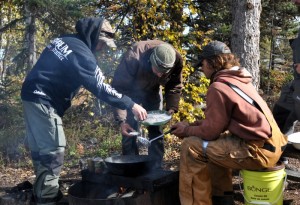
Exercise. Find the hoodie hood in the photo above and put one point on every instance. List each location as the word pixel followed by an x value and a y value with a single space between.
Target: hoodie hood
pixel 237 73
pixel 89 30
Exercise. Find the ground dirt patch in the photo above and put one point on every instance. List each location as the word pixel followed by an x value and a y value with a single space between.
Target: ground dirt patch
pixel 11 176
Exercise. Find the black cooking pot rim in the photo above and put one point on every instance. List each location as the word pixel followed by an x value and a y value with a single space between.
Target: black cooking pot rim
pixel 128 159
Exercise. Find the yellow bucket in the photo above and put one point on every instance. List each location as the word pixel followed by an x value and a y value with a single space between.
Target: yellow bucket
pixel 265 186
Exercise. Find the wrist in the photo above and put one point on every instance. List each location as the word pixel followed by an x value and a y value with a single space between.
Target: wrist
pixel 186 131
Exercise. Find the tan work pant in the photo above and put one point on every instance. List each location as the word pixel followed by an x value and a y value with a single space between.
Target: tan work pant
pixel 203 175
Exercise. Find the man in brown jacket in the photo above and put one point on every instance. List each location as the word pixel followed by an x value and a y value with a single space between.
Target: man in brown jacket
pixel 238 132
pixel 144 68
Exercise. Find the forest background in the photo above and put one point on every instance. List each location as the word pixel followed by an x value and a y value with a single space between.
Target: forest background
pixel 27 26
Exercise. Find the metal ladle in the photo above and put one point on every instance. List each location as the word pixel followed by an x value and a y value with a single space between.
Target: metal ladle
pixel 144 141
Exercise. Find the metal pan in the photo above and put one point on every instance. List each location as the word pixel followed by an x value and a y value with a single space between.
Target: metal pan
pixel 129 165
pixel 157 118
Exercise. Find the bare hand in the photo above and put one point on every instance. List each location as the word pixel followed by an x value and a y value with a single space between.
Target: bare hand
pixel 139 112
pixel 179 129
pixel 125 129
pixel 171 112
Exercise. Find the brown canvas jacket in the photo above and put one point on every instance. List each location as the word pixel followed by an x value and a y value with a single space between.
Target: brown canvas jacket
pixel 134 77
pixel 226 110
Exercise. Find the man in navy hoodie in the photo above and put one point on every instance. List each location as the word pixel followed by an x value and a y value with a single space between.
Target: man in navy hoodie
pixel 66 64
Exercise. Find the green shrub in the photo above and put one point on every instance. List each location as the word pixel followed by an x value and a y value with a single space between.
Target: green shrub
pixel 272 81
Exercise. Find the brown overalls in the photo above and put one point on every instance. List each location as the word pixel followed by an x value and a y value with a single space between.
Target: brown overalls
pixel 203 175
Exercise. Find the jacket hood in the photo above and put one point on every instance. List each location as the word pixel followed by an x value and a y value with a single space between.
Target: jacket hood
pixel 237 73
pixel 88 30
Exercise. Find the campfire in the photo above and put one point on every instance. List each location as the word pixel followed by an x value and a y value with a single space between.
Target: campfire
pixel 122 193
pixel 156 187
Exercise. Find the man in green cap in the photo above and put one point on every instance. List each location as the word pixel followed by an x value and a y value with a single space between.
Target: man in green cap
pixel 144 68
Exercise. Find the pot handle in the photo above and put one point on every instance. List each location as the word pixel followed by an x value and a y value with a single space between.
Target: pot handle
pixel 167 132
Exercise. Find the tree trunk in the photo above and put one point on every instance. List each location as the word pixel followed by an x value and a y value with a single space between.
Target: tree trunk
pixel 245 35
pixel 1 46
pixel 29 37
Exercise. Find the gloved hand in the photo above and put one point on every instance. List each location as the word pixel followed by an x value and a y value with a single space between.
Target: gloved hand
pixel 180 129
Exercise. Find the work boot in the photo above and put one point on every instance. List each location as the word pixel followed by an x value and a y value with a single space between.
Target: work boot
pixel 222 200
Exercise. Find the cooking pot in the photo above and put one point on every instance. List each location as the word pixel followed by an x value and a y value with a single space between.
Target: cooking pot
pixel 129 165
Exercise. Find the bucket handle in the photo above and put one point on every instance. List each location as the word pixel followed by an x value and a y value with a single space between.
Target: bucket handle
pixel 262 202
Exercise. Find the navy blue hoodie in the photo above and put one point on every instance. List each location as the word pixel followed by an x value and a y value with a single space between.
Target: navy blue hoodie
pixel 65 65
